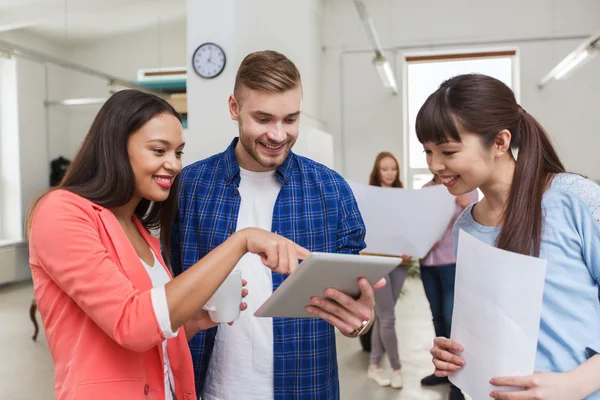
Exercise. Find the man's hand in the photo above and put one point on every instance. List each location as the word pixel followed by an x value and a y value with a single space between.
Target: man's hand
pixel 344 312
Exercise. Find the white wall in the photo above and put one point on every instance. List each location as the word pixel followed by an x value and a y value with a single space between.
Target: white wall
pixel 121 56
pixel 56 89
pixel 293 28
pixel 34 161
pixel 168 45
pixel 35 146
pixel 33 42
pixel 240 27
pixel 29 166
pixel 25 159
pixel 210 128
pixel 316 145
pixel 10 191
pixel 35 142
pixel 365 119
pixel 67 126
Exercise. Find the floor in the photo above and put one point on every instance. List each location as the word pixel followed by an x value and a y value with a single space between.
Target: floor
pixel 26 372
pixel 415 336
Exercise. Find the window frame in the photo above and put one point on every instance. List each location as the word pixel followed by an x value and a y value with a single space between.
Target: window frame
pixel 408 173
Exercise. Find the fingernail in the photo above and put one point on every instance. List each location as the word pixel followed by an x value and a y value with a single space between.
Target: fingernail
pixel 315 301
pixel 309 309
pixel 329 293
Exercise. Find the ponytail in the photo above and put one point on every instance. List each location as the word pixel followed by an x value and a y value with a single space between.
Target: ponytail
pixel 537 163
pixel 485 106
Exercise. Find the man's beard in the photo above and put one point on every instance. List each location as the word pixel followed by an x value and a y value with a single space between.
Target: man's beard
pixel 251 148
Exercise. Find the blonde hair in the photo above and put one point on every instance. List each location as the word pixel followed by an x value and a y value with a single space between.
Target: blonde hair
pixel 268 71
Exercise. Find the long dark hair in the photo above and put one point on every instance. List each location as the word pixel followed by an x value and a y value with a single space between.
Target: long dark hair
pixel 485 106
pixel 101 171
pixel 375 179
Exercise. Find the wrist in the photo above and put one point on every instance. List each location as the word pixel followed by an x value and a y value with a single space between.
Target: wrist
pixel 190 329
pixel 240 238
pixel 583 379
pixel 576 386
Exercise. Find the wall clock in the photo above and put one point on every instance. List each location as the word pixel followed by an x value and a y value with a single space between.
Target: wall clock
pixel 209 60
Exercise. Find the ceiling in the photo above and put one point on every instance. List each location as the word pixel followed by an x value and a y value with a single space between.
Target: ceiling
pixel 74 21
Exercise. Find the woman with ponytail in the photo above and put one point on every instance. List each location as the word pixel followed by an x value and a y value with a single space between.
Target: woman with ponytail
pixel 475 135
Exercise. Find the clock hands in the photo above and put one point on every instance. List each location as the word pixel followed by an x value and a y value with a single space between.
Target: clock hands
pixel 209 60
pixel 212 53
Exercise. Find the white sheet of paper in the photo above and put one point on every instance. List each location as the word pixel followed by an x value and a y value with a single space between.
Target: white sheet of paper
pixel 496 318
pixel 403 221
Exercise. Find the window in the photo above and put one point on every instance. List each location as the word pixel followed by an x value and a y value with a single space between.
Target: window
pixel 10 186
pixel 2 214
pixel 424 74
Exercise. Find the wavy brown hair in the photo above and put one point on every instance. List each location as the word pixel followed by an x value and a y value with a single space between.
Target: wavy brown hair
pixel 485 106
pixel 375 180
pixel 101 171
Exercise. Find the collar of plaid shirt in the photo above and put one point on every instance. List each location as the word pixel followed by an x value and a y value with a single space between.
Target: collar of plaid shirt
pixel 232 168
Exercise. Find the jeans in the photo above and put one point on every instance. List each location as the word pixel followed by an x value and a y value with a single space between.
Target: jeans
pixel 438 282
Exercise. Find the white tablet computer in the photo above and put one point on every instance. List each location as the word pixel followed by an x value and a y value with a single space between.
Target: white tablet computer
pixel 319 272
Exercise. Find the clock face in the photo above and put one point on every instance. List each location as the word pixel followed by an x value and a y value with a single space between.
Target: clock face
pixel 209 60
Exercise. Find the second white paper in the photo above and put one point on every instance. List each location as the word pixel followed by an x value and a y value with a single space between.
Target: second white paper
pixel 497 307
pixel 403 221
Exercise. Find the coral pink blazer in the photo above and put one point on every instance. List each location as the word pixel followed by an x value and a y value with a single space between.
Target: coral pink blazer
pixel 93 294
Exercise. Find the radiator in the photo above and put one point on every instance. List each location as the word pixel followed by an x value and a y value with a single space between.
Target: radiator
pixel 14 263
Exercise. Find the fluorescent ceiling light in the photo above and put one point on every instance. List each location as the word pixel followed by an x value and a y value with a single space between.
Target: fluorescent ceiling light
pixel 76 102
pixel 582 54
pixel 570 63
pixel 386 74
pixel 382 65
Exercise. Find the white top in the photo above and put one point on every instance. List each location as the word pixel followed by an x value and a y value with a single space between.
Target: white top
pixel 241 365
pixel 160 278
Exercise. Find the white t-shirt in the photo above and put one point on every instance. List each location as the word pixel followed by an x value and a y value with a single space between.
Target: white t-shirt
pixel 160 278
pixel 241 365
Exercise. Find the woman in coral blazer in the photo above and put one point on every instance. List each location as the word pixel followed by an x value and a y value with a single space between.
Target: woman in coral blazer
pixel 116 321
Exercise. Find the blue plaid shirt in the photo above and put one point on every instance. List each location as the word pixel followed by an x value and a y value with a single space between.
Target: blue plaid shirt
pixel 316 209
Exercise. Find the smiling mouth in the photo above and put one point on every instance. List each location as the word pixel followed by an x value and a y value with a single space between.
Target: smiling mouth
pixel 163 181
pixel 272 147
pixel 449 180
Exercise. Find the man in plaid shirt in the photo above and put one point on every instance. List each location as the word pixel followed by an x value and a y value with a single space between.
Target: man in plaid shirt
pixel 258 182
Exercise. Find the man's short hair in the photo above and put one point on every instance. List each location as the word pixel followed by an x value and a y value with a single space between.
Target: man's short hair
pixel 268 71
